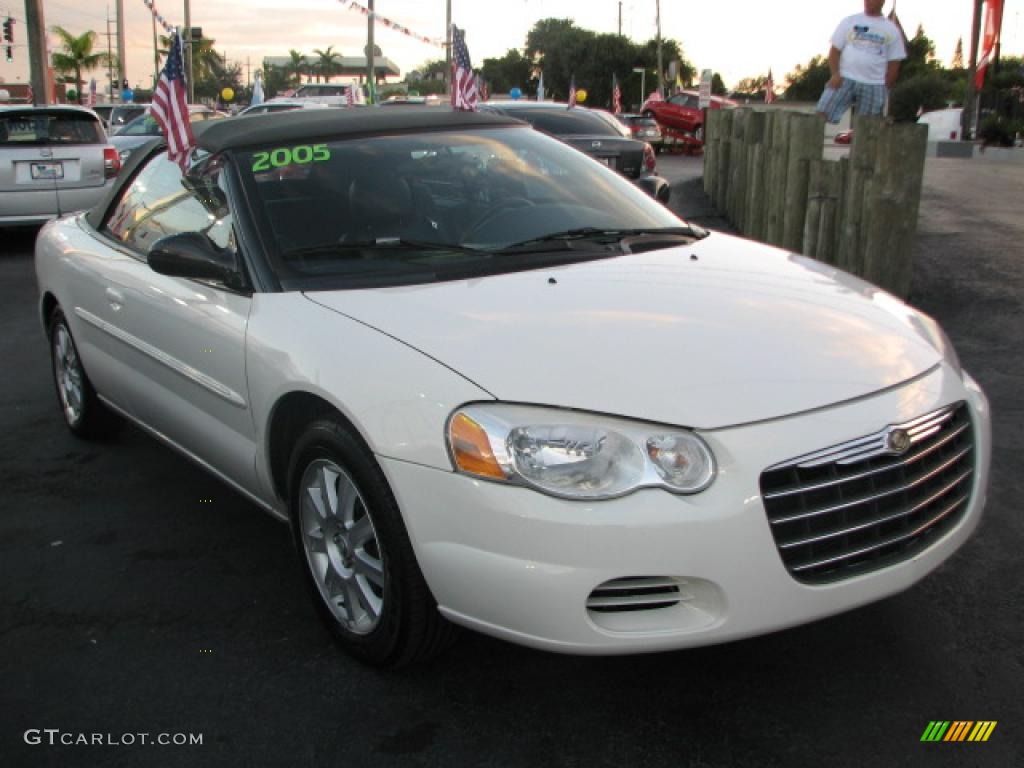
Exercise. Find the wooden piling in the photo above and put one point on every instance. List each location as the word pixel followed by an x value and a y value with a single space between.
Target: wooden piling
pixel 765 171
pixel 806 140
pixel 891 207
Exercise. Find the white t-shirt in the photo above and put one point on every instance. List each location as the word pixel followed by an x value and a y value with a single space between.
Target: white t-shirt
pixel 868 44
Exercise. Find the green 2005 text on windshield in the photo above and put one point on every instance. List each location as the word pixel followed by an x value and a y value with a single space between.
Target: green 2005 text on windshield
pixel 282 156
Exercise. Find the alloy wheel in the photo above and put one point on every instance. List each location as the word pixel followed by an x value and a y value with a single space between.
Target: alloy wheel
pixel 341 547
pixel 69 374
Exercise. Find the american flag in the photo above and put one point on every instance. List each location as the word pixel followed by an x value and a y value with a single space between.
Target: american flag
pixel 572 93
pixel 464 83
pixel 769 89
pixel 170 106
pixel 616 96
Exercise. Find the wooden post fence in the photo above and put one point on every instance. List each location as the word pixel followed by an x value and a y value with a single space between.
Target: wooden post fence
pixel 765 170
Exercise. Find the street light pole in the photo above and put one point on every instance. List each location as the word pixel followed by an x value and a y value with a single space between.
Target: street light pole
pixel 967 118
pixel 660 91
pixel 448 49
pixel 188 52
pixel 371 80
pixel 122 65
pixel 38 66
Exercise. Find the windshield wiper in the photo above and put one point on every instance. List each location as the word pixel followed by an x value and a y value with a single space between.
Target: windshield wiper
pixel 610 235
pixel 381 243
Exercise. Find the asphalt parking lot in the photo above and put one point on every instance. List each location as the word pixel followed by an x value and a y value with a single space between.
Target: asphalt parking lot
pixel 138 595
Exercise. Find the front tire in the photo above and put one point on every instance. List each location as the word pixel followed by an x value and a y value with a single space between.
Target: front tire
pixel 83 412
pixel 355 552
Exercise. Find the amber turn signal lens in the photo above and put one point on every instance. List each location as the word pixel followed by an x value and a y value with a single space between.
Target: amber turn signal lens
pixel 471 449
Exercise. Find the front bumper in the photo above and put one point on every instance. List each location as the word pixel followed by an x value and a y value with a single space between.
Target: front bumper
pixel 520 565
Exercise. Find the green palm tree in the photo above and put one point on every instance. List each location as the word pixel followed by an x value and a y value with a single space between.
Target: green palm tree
pixel 76 55
pixel 207 64
pixel 296 66
pixel 328 65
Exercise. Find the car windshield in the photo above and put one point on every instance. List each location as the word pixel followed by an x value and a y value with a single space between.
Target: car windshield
pixel 364 212
pixel 125 113
pixel 143 125
pixel 46 127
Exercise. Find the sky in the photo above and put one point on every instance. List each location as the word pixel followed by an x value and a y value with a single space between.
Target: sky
pixel 737 38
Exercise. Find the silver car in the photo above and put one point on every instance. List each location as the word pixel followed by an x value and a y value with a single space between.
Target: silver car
pixel 53 160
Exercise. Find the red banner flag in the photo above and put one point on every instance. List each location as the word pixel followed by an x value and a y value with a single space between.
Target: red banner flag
pixel 993 25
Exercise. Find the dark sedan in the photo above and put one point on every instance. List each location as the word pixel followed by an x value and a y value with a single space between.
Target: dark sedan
pixel 588 132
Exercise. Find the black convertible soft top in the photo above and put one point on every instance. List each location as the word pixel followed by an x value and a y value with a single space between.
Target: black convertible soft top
pixel 304 124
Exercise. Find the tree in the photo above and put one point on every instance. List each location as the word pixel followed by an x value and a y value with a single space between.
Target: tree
pixel 920 56
pixel 296 66
pixel 328 65
pixel 210 70
pixel 806 82
pixel 751 88
pixel 76 55
pixel 921 93
pixel 958 55
pixel 510 71
pixel 275 80
pixel 563 51
pixel 718 85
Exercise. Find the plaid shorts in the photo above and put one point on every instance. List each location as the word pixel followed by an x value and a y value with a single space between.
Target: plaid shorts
pixel 869 99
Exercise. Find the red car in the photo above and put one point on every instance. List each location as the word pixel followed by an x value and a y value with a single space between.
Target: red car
pixel 682 112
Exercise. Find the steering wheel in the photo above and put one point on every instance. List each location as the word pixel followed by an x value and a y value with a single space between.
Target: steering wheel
pixel 491 213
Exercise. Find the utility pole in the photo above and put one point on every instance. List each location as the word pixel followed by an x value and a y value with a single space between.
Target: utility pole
pixel 967 118
pixel 156 54
pixel 448 49
pixel 188 53
pixel 620 18
pixel 371 60
pixel 110 60
pixel 35 33
pixel 661 90
pixel 122 63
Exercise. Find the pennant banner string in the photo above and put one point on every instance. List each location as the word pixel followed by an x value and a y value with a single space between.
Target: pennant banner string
pixel 168 27
pixel 353 6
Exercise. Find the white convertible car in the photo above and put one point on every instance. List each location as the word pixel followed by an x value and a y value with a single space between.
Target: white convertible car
pixel 491 383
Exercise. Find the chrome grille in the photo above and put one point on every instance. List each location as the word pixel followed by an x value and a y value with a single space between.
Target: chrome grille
pixel 864 505
pixel 635 593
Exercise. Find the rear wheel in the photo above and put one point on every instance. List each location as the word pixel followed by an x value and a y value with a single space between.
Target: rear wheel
pixel 83 412
pixel 355 552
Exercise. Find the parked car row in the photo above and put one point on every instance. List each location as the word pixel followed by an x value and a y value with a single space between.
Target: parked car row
pixel 594 132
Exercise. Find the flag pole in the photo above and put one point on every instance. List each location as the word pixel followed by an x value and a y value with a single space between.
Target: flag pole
pixel 661 90
pixel 371 60
pixel 448 48
pixel 967 118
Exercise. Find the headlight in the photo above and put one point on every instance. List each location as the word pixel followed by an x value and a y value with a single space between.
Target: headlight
pixel 574 455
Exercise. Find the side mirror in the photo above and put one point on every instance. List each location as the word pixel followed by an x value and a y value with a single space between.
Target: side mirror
pixel 194 255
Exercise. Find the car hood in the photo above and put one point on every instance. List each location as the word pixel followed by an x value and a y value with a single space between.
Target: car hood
pixel 718 333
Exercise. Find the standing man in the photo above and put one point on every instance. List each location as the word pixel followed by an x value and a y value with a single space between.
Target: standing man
pixel 865 60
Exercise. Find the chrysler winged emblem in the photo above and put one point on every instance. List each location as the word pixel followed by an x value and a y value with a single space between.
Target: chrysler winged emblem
pixel 899 441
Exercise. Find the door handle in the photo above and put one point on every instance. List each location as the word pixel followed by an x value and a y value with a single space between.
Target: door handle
pixel 116 298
